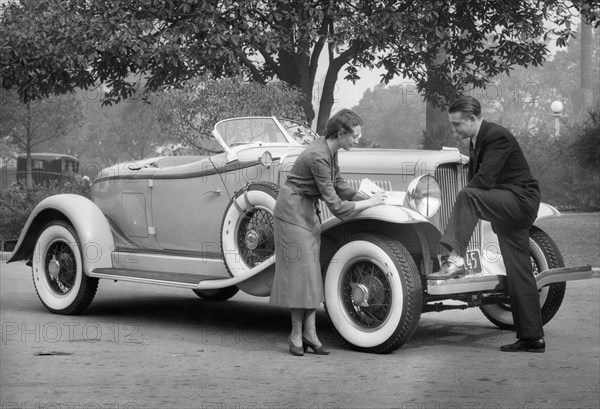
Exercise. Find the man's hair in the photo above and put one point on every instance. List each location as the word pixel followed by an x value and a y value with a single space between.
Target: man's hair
pixel 467 105
pixel 344 120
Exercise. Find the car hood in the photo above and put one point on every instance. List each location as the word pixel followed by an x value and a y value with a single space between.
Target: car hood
pixel 397 161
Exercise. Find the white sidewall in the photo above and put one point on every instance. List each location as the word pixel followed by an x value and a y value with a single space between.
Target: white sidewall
pixel 350 253
pixel 40 278
pixel 231 224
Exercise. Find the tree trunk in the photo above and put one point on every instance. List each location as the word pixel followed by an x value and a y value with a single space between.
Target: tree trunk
pixel 28 164
pixel 295 70
pixel 586 68
pixel 437 127
pixel 582 96
pixel 327 97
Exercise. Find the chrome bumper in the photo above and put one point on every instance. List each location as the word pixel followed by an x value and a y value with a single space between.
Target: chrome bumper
pixel 471 283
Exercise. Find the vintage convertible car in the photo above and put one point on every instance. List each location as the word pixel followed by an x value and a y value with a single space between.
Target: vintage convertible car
pixel 206 224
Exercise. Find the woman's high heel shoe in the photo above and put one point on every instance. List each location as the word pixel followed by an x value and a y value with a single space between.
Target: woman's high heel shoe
pixel 294 350
pixel 319 350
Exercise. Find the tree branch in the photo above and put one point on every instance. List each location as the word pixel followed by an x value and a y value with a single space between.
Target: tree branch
pixel 248 63
pixel 314 60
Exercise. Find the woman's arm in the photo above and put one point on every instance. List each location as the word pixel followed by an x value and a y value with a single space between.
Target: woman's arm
pixel 375 200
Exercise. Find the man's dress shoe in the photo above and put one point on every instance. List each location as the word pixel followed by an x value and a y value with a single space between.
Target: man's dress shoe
pixel 449 270
pixel 526 345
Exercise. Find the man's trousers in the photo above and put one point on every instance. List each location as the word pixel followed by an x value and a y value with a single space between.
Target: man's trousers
pixel 502 209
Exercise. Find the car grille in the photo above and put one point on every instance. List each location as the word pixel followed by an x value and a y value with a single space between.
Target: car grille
pixel 452 178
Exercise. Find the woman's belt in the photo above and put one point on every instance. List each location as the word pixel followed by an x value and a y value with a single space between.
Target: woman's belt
pixel 315 200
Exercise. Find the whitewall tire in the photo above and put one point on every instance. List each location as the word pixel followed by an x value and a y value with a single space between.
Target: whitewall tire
pixel 373 293
pixel 57 267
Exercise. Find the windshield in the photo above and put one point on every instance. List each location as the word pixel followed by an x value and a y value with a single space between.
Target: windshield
pixel 250 130
pixel 300 132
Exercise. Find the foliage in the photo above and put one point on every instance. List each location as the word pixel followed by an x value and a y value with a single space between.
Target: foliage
pixel 569 175
pixel 16 204
pixel 190 112
pixel 28 126
pixel 393 116
pixel 124 132
pixel 54 46
pixel 586 148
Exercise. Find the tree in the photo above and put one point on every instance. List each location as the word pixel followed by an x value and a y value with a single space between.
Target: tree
pixel 190 112
pixel 393 116
pixel 31 124
pixel 583 95
pixel 54 46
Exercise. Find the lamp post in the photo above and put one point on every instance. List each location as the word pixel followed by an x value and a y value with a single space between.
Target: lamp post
pixel 556 107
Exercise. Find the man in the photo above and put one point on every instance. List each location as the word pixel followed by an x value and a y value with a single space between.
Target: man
pixel 502 190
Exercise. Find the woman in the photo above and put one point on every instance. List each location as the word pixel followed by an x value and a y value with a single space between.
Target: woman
pixel 315 175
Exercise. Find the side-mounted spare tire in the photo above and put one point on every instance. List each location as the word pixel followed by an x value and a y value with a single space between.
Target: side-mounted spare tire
pixel 247 232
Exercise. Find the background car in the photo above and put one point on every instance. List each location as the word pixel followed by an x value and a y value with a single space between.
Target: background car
pixel 206 224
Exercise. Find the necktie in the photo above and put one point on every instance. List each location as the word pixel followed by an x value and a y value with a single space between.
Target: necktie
pixel 471 159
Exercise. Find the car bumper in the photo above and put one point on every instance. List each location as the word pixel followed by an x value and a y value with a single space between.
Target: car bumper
pixel 472 283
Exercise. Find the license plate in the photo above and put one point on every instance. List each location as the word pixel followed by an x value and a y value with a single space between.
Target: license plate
pixel 473 261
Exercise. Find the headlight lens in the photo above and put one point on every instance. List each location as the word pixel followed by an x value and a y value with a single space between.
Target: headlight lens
pixel 424 195
pixel 266 159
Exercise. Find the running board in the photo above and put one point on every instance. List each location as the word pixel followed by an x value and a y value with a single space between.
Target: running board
pixel 471 283
pixel 182 280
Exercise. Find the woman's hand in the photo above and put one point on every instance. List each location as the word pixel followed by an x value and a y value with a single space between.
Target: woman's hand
pixel 377 199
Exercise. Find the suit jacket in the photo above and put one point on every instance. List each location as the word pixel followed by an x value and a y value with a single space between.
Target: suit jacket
pixel 498 163
pixel 314 175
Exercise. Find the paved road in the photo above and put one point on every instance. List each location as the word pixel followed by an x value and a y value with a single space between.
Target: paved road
pixel 141 346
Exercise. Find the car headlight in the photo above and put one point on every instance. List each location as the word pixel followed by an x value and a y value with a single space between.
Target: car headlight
pixel 424 195
pixel 266 159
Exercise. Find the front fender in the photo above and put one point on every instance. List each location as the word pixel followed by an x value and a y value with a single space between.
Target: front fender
pixel 94 233
pixel 546 210
pixel 386 213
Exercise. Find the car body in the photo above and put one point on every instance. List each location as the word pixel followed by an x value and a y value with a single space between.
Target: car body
pixel 206 224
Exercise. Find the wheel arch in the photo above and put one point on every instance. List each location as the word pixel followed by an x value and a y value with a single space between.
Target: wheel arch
pixel 420 238
pixel 86 218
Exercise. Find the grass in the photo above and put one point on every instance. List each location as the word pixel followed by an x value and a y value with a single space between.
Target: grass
pixel 577 236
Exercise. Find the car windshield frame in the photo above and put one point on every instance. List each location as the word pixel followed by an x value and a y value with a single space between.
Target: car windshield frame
pixel 236 134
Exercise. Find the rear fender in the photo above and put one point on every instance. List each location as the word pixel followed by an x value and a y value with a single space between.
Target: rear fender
pixel 88 220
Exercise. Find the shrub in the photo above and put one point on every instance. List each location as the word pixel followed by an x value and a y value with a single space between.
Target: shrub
pixel 17 203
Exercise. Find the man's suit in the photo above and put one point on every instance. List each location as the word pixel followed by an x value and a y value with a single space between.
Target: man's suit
pixel 502 190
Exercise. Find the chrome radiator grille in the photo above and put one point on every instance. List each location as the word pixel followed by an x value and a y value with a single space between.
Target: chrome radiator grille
pixel 452 178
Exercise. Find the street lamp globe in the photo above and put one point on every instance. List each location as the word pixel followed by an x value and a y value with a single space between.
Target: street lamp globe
pixel 556 107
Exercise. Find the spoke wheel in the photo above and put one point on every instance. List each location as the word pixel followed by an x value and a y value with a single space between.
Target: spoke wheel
pixel 367 294
pixel 373 293
pixel 247 232
pixel 57 269
pixel 256 236
pixel 544 254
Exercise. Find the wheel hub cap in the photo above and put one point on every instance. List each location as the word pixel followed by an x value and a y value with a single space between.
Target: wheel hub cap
pixel 251 239
pixel 53 268
pixel 360 294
